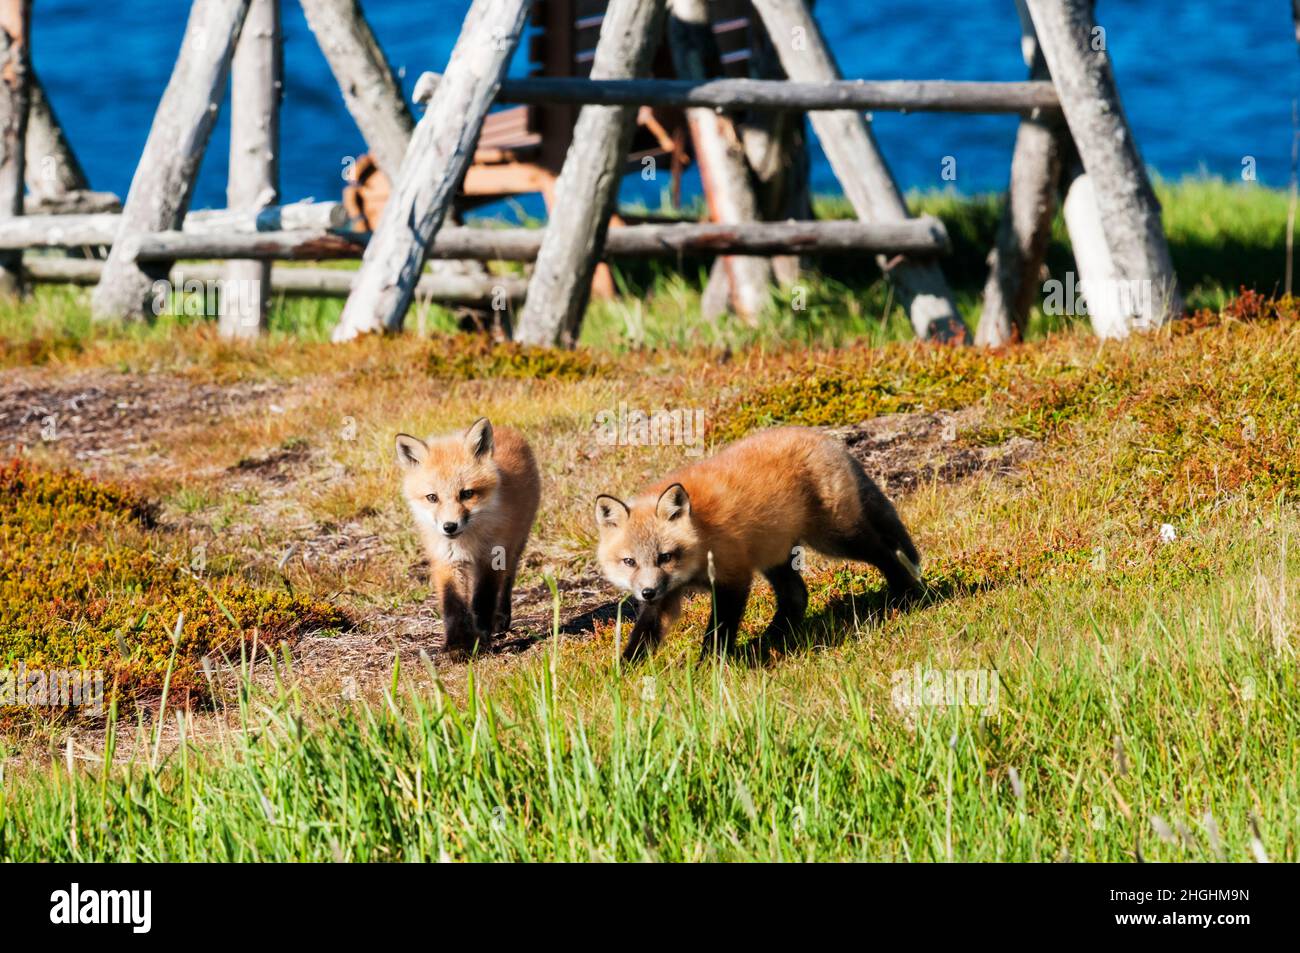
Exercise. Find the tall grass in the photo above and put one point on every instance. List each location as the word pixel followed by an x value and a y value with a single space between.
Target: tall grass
pixel 1155 724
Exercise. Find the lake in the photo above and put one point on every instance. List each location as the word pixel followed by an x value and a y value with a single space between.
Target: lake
pixel 1205 85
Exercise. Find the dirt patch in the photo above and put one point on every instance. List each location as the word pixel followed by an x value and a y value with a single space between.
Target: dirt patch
pixel 366 654
pixel 96 415
pixel 904 451
pixel 278 466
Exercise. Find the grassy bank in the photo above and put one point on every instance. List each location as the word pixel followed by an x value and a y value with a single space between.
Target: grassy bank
pixel 1132 720
pixel 1109 534
pixel 1222 236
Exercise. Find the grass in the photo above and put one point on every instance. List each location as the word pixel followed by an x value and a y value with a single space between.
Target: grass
pixel 87 581
pixel 1222 237
pixel 1119 717
pixel 1146 700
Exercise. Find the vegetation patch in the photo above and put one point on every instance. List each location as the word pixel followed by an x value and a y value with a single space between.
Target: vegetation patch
pixel 1210 405
pixel 88 582
pixel 465 357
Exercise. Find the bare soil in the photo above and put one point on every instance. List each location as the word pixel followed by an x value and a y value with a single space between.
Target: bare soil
pixel 103 419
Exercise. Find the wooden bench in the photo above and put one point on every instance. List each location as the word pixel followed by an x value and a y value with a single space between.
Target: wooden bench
pixel 521 149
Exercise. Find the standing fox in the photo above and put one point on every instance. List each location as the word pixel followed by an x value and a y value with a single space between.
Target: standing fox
pixel 746 510
pixel 474 496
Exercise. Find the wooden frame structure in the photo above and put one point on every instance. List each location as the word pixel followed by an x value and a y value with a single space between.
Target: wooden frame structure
pixel 1073 131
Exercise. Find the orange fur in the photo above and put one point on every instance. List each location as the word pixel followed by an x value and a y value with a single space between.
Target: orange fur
pixel 474 496
pixel 746 510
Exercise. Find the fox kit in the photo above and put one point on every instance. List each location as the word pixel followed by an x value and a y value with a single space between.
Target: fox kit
pixel 474 496
pixel 746 510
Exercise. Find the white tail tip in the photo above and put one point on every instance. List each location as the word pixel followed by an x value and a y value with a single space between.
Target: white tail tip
pixel 913 569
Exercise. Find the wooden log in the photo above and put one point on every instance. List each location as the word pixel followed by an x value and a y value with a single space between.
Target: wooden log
pixel 80 202
pixel 253 178
pixel 307 245
pixel 724 173
pixel 52 168
pixel 164 179
pixel 716 294
pixel 295 216
pixel 323 282
pixel 811 94
pixel 373 98
pixel 587 189
pixel 923 236
pixel 776 148
pixel 1130 213
pixel 370 90
pixel 15 65
pixel 1016 260
pixel 851 148
pixel 71 231
pixel 59 231
pixel 1095 273
pixel 440 151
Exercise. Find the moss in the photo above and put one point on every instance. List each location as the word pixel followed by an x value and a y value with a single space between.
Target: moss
pixel 88 582
pixel 465 357
pixel 1208 406
pixel 859 383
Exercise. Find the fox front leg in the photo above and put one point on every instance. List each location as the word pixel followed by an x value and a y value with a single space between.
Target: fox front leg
pixel 651 624
pixel 462 633
pixel 724 621
pixel 487 592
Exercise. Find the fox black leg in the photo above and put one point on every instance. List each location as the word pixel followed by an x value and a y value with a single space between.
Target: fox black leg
pixel 487 591
pixel 882 540
pixel 458 621
pixel 791 603
pixel 651 624
pixel 724 621
pixel 504 595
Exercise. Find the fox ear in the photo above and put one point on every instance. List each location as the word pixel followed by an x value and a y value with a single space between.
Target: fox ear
pixel 411 451
pixel 479 438
pixel 673 502
pixel 610 512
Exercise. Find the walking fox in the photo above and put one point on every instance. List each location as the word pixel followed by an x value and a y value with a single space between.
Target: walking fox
pixel 474 497
pixel 713 524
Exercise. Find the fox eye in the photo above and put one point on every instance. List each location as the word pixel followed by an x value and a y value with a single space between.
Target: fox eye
pixel 432 497
pixel 629 561
pixel 665 558
pixel 467 494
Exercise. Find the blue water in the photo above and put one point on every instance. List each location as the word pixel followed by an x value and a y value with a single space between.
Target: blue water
pixel 1205 84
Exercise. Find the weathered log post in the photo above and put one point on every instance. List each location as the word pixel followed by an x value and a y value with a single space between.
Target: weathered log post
pixel 1025 230
pixel 1145 288
pixel 587 189
pixel 70 230
pixel 253 183
pixel 164 179
pixel 777 149
pixel 332 282
pixel 15 69
pixel 724 173
pixel 52 167
pixel 1094 268
pixel 373 98
pixel 438 155
pixel 370 91
pixel 850 146
pixel 919 236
